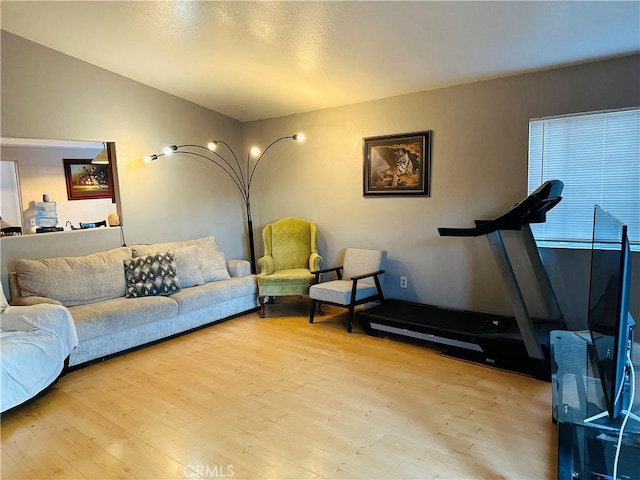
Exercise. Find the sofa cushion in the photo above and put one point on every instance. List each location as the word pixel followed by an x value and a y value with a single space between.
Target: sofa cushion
pixel 75 280
pixel 189 272
pixel 154 274
pixel 213 293
pixel 213 266
pixel 139 250
pixel 186 257
pixel 209 259
pixel 339 291
pixel 110 316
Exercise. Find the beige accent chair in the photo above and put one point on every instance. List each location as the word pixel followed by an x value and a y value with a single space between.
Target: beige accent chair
pixel 359 280
pixel 290 253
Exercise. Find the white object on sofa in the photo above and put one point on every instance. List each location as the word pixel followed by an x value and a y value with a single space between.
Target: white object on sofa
pixel 34 344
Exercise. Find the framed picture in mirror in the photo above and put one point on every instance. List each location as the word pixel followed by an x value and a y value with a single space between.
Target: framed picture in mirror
pixel 86 180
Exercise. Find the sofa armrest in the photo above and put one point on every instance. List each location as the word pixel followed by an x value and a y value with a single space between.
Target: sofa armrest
pixel 32 300
pixel 239 268
pixel 14 289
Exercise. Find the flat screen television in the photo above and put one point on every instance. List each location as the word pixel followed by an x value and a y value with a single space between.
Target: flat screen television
pixel 610 323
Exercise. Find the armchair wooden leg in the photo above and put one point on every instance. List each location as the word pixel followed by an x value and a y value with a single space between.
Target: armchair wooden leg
pixel 315 307
pixel 263 312
pixel 312 313
pixel 350 321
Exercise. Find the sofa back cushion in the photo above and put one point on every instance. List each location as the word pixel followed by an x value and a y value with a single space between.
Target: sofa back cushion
pixel 208 259
pixel 189 273
pixel 75 280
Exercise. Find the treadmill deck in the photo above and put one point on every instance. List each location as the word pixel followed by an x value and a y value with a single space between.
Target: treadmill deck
pixel 489 339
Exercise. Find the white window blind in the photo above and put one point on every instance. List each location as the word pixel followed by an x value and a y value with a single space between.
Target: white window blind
pixel 597 156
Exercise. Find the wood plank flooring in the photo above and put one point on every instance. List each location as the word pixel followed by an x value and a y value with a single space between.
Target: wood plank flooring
pixel 279 398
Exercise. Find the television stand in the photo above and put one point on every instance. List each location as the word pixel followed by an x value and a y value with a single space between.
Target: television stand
pixel 593 418
pixel 586 450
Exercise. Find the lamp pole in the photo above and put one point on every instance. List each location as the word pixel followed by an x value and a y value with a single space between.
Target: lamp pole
pixel 241 178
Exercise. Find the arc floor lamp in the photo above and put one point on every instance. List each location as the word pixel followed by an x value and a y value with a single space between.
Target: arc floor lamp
pixel 240 177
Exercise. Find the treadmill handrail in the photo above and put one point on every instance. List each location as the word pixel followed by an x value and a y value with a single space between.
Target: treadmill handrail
pixel 530 210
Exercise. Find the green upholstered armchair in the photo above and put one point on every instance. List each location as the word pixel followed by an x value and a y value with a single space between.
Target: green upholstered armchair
pixel 290 254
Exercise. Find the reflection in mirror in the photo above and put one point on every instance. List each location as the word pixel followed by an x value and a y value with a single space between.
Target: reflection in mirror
pixel 68 180
pixel 10 204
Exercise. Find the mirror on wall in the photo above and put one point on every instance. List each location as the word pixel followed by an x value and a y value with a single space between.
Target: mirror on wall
pixel 10 200
pixel 72 184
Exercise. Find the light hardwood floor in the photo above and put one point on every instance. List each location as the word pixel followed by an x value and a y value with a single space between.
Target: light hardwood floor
pixel 279 398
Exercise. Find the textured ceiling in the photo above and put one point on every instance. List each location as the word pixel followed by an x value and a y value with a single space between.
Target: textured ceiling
pixel 255 60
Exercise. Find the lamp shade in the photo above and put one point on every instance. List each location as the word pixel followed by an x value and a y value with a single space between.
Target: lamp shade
pixel 101 158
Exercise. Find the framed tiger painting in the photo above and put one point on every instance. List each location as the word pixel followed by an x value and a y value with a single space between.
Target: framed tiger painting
pixel 397 164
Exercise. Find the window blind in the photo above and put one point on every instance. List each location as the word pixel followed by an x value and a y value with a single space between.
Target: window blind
pixel 597 156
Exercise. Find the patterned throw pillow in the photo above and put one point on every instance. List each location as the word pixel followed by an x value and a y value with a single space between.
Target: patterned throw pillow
pixel 154 274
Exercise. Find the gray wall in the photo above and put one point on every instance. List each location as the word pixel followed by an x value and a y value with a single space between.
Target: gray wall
pixel 479 164
pixel 479 170
pixel 46 94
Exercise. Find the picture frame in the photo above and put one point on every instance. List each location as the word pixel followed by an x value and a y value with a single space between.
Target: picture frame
pixel 86 180
pixel 397 164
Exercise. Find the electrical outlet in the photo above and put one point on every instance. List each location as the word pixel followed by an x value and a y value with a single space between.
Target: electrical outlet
pixel 403 282
pixel 32 221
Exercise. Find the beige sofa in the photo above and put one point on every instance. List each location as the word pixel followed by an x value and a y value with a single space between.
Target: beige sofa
pixel 130 296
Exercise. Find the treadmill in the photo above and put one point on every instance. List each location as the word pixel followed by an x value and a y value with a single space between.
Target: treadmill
pixel 518 343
